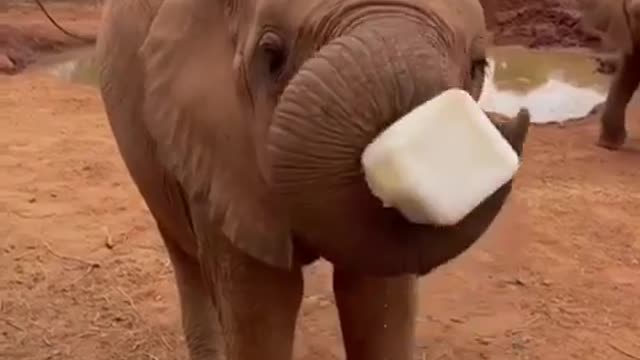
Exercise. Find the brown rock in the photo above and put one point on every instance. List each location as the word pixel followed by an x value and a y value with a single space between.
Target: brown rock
pixel 6 64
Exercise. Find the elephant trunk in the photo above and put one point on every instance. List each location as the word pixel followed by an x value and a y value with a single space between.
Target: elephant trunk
pixel 339 101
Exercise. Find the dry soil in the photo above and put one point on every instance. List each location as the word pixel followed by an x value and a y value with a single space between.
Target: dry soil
pixel 83 274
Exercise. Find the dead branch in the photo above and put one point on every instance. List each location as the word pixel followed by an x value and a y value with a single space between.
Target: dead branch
pixel 624 352
pixel 65 31
pixel 69 258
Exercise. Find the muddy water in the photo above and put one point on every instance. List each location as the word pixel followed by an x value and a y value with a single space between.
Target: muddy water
pixel 80 69
pixel 553 85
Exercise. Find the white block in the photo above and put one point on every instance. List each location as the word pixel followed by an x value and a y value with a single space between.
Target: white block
pixel 440 161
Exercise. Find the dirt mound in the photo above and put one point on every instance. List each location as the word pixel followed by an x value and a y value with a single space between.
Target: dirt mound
pixel 21 46
pixel 26 34
pixel 541 23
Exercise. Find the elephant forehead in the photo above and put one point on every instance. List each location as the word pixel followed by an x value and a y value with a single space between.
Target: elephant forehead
pixel 285 10
pixel 323 19
pixel 297 12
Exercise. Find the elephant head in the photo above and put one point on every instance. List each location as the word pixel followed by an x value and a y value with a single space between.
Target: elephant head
pixel 262 109
pixel 616 21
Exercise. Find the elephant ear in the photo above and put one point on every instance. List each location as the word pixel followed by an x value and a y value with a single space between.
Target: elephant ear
pixel 610 20
pixel 194 111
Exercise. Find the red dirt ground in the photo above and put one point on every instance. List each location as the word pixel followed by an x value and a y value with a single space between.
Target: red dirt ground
pixel 26 34
pixel 83 274
pixel 540 23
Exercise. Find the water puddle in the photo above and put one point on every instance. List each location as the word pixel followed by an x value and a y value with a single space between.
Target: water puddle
pixel 553 85
pixel 80 69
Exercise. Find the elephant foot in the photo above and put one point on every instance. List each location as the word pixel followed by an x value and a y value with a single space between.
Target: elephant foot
pixel 612 142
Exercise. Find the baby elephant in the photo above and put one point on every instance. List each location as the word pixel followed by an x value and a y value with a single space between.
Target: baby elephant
pixel 618 23
pixel 242 124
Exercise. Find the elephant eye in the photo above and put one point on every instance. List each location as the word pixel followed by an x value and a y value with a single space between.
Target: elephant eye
pixel 274 54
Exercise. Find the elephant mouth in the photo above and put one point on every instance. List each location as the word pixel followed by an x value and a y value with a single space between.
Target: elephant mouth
pixel 340 100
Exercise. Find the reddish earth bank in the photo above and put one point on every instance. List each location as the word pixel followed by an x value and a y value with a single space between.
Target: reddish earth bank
pixel 83 274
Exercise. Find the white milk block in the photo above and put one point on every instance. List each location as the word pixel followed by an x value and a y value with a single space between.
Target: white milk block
pixel 440 161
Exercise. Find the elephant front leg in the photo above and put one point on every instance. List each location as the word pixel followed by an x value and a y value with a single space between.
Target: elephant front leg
pixel 377 315
pixel 258 304
pixel 199 319
pixel 613 131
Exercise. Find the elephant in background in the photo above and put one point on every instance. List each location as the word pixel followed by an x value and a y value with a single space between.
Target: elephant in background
pixel 242 124
pixel 617 22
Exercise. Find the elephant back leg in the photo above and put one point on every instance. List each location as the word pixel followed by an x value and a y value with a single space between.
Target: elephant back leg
pixel 377 315
pixel 625 82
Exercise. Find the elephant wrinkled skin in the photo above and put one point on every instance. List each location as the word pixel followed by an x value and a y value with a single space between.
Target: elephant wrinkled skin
pixel 618 23
pixel 242 124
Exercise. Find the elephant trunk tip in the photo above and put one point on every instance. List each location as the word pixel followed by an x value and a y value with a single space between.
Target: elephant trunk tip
pixel 514 130
pixel 404 165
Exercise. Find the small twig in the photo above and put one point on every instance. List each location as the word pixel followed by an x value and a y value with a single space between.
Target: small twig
pixel 24 254
pixel 165 342
pixel 28 307
pixel 70 258
pixel 140 318
pixel 624 352
pixel 137 345
pixel 44 273
pixel 86 273
pixel 12 324
pixel 150 356
pixel 65 31
pixel 35 323
pixel 46 341
pixel 28 216
pixel 130 301
pixel 108 241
